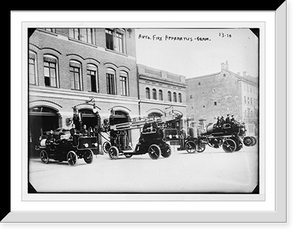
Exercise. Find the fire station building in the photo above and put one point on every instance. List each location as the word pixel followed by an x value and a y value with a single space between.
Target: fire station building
pixel 84 70
pixel 93 73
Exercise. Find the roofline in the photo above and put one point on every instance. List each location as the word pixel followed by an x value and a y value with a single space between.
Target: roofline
pixel 201 76
pixel 239 77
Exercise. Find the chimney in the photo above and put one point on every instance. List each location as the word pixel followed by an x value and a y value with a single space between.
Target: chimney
pixel 244 74
pixel 226 65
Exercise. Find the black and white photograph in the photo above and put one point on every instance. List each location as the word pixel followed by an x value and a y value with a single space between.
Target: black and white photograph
pixel 144 110
pixel 149 118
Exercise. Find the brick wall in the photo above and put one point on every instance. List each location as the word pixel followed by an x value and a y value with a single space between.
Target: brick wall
pixel 213 95
pixel 66 49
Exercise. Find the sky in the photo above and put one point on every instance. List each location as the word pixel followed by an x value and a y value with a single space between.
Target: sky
pixel 197 52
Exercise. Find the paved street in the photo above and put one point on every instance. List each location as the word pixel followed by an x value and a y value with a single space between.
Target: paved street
pixel 213 170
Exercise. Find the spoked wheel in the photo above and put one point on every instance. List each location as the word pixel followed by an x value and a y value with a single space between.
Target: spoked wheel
pixel 248 141
pixel 200 147
pixel 239 144
pixel 106 145
pixel 72 158
pixel 113 153
pixel 154 151
pixel 229 145
pixel 44 156
pixel 166 150
pixel 88 156
pixel 190 147
pixel 254 141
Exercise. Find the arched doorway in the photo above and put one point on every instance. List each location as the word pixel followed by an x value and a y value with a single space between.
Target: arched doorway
pixel 155 115
pixel 118 116
pixel 41 119
pixel 89 118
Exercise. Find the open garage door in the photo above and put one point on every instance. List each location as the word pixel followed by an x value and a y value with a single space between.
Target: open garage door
pixel 41 119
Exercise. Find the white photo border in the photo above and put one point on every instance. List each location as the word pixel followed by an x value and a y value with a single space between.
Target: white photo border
pixel 185 208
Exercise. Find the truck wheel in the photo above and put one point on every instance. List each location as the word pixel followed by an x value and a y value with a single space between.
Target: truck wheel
pixel 254 141
pixel 44 156
pixel 154 151
pixel 88 156
pixel 248 141
pixel 113 153
pixel 200 147
pixel 229 145
pixel 72 158
pixel 106 145
pixel 190 147
pixel 166 150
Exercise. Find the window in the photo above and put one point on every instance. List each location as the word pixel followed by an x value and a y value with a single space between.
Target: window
pixel 147 93
pixel 180 97
pixel 50 71
pixel 92 77
pixel 32 68
pixel 199 83
pixel 115 40
pixel 169 96
pixel 110 81
pixel 124 83
pixel 191 96
pixel 160 95
pixel 83 34
pixel 109 39
pixel 75 72
pixel 174 97
pixel 119 42
pixel 154 95
pixel 53 30
pixel 248 99
pixel 215 103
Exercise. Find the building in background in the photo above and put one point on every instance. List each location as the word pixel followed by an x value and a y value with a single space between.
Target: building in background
pixel 162 95
pixel 223 93
pixel 87 71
